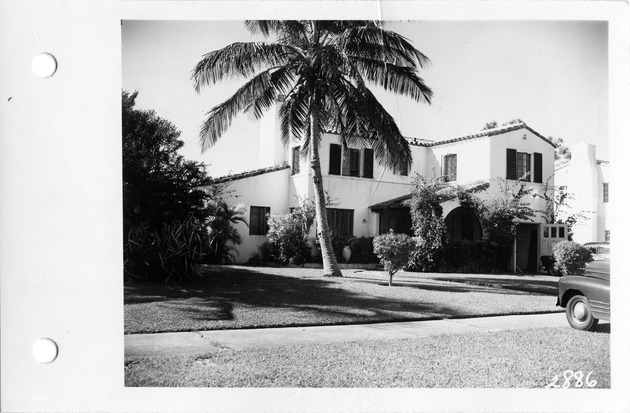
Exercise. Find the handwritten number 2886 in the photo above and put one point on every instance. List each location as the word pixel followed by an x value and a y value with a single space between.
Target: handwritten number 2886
pixel 578 377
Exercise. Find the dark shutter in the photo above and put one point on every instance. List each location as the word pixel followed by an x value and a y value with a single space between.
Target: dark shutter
pixel 538 167
pixel 334 166
pixel 368 163
pixel 511 164
pixel 444 169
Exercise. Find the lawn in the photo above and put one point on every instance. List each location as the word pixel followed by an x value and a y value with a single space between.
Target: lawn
pixel 231 297
pixel 509 359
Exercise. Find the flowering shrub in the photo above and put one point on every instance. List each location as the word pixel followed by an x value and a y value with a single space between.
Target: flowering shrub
pixel 287 239
pixel 394 251
pixel 571 257
pixel 287 234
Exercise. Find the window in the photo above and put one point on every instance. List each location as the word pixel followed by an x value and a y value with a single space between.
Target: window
pixel 605 189
pixel 341 221
pixel 368 163
pixel 449 168
pixel 295 167
pixel 351 162
pixel 404 169
pixel 258 220
pixel 523 166
pixel 607 235
pixel 334 166
pixel 519 166
pixel 353 159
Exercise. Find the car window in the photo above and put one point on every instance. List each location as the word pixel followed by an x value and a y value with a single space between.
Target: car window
pixel 604 250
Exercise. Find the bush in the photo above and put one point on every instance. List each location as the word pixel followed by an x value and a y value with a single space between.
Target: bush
pixel 287 239
pixel 571 257
pixel 425 259
pixel 170 252
pixel 361 247
pixel 476 257
pixel 394 251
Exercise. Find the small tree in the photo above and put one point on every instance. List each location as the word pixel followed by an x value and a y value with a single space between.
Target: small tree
pixel 394 251
pixel 501 217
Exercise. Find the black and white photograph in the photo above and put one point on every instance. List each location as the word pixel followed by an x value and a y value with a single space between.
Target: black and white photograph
pixel 331 203
pixel 383 207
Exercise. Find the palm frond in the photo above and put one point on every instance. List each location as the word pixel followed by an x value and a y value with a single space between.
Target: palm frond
pixel 402 80
pixel 294 117
pixel 219 118
pixel 375 42
pixel 239 60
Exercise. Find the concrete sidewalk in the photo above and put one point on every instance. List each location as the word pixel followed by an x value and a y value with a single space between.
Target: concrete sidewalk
pixel 163 344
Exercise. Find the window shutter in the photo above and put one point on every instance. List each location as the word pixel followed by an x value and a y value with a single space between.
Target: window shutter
pixel 453 170
pixel 511 164
pixel 334 166
pixel 538 167
pixel 368 163
pixel 444 169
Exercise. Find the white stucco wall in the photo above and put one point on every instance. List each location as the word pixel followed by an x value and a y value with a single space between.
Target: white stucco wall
pixel 473 159
pixel 266 190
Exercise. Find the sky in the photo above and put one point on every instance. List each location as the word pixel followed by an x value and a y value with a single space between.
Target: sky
pixel 553 75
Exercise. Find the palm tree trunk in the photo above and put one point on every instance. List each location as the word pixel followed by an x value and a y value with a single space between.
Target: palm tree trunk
pixel 331 268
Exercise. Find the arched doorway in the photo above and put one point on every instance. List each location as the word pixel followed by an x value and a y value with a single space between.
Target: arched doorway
pixel 462 224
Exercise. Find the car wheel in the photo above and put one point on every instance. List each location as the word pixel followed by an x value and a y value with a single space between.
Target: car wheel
pixel 579 313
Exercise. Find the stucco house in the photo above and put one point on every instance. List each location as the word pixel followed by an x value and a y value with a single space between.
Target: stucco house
pixel 366 195
pixel 586 180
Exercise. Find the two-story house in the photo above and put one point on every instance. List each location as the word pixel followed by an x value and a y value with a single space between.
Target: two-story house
pixel 366 198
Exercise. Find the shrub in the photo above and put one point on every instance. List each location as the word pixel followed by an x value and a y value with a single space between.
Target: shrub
pixel 362 250
pixel 394 251
pixel 170 252
pixel 571 257
pixel 470 257
pixel 287 238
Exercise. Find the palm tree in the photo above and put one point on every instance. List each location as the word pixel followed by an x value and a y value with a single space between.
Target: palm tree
pixel 319 71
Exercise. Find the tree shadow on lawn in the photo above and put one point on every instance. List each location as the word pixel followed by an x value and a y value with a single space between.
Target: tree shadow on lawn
pixel 303 299
pixel 531 286
pixel 459 286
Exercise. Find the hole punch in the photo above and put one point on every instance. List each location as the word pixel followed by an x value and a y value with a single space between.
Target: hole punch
pixel 45 350
pixel 44 65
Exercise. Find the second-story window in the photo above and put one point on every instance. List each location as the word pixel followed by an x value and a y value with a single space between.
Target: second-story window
pixel 519 166
pixel 449 168
pixel 295 167
pixel 404 169
pixel 334 162
pixel 605 192
pixel 523 166
pixel 351 162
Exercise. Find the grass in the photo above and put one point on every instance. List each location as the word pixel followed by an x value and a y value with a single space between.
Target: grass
pixel 230 297
pixel 509 359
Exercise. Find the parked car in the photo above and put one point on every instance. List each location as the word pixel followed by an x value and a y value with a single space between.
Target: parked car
pixel 600 250
pixel 586 297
